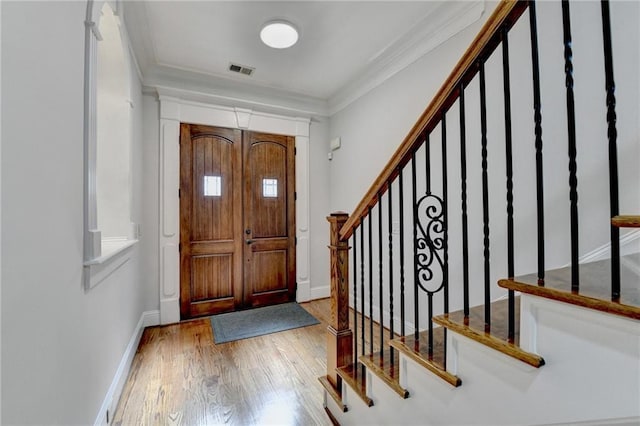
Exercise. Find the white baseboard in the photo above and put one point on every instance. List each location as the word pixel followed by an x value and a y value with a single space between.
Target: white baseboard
pixel 150 318
pixel 303 292
pixel 604 251
pixel 110 402
pixel 320 292
pixel 169 311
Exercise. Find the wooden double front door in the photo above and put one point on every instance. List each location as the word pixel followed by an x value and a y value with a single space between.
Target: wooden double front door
pixel 237 220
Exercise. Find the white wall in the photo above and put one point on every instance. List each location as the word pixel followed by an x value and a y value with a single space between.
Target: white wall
pixel 319 208
pixel 372 127
pixel 61 346
pixel 151 215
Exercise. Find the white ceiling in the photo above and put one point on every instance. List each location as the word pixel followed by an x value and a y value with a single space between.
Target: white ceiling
pixel 345 48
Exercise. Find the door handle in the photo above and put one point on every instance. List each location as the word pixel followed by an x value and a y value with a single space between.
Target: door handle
pixel 249 241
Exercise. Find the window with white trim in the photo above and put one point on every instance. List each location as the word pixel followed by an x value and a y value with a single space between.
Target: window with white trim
pixel 113 132
pixel 108 137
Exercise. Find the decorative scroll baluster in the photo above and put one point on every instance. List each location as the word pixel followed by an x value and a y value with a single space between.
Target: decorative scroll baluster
pixel 381 299
pixel 571 131
pixel 463 196
pixel 370 286
pixel 485 200
pixel 401 230
pixel 362 319
pixel 509 163
pixel 537 116
pixel 390 229
pixel 429 294
pixel 416 299
pixel 430 248
pixel 612 135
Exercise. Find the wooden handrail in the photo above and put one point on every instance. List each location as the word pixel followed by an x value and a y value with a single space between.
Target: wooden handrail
pixel 505 15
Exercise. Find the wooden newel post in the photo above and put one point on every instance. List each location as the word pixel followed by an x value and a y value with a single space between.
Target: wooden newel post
pixel 339 335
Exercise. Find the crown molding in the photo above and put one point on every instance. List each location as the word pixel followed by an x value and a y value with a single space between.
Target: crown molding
pixel 206 88
pixel 436 28
pixel 444 22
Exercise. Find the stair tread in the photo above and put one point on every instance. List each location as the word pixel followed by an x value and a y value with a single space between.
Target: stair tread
pixel 387 367
pixel 418 350
pixel 595 287
pixel 335 394
pixel 497 335
pixel 354 375
pixel 626 221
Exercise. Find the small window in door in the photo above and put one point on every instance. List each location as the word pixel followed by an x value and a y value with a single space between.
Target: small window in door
pixel 213 186
pixel 270 188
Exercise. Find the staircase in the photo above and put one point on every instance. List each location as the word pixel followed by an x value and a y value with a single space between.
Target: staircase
pixel 591 377
pixel 591 347
pixel 423 328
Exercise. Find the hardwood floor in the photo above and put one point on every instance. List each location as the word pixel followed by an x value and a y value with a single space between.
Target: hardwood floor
pixel 180 377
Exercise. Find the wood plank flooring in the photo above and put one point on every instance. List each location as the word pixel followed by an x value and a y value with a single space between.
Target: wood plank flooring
pixel 180 377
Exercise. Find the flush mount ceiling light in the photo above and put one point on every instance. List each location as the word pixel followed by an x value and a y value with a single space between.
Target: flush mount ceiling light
pixel 279 34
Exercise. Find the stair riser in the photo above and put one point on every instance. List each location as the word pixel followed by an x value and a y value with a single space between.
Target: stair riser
pixel 574 386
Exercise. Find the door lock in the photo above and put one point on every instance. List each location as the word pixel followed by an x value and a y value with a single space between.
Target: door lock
pixel 247 231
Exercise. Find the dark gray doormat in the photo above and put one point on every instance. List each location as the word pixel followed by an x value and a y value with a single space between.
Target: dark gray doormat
pixel 257 322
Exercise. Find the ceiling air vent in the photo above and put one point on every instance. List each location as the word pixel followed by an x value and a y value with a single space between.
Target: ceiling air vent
pixel 241 69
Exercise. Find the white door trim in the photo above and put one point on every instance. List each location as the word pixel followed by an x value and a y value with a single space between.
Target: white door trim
pixel 174 111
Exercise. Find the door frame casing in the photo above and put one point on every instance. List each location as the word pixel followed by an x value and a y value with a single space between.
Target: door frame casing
pixel 174 111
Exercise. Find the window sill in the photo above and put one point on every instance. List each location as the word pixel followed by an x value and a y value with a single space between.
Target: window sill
pixel 114 254
pixel 111 249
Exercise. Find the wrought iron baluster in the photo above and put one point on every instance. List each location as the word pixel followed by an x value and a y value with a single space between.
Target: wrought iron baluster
pixel 612 135
pixel 370 285
pixel 537 117
pixel 509 163
pixel 463 196
pixel 445 188
pixel 381 306
pixel 485 199
pixel 430 326
pixel 416 300
pixel 362 319
pixel 571 132
pixel 355 292
pixel 430 247
pixel 401 230
pixel 390 229
pixel 445 245
pixel 427 161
